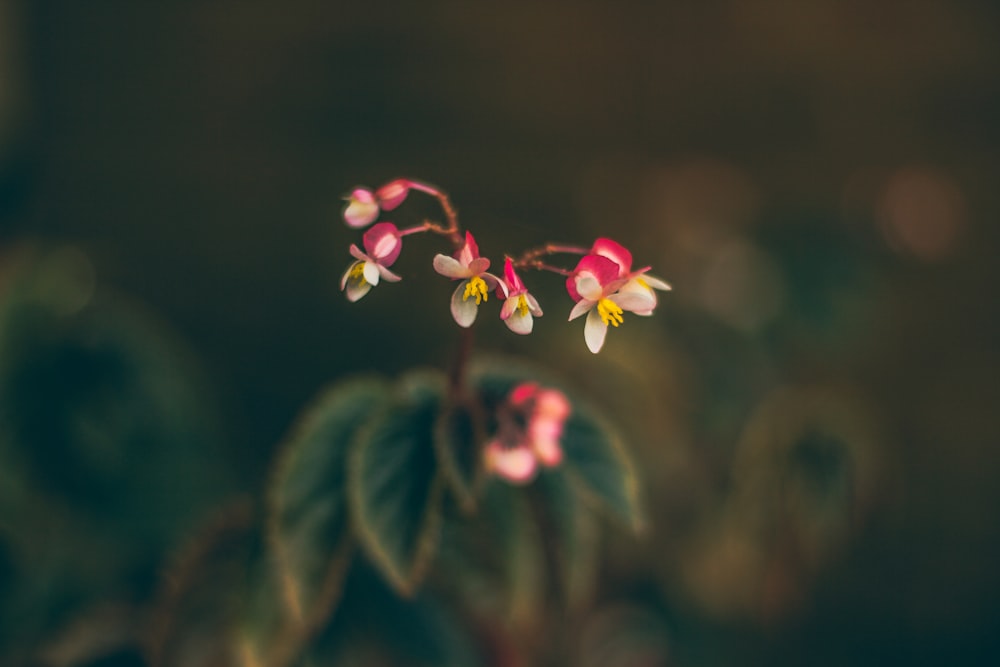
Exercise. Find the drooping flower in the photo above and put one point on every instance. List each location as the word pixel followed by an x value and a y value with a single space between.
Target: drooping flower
pixel 383 244
pixel 476 284
pixel 530 426
pixel 604 286
pixel 639 284
pixel 363 205
pixel 520 306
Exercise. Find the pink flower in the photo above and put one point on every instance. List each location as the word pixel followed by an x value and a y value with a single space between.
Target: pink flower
pixel 530 427
pixel 520 306
pixel 604 287
pixel 363 205
pixel 639 284
pixel 476 284
pixel 382 246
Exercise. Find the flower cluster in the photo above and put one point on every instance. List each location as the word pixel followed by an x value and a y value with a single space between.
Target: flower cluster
pixel 603 284
pixel 529 428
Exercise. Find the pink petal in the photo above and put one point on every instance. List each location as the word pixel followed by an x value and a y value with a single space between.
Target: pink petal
pixel 450 267
pixel 509 306
pixel 387 274
pixel 594 332
pixel 522 393
pixel 548 451
pixel 593 277
pixel 510 276
pixel 478 265
pixel 392 194
pixel 357 254
pixel 517 464
pixel 463 310
pixel 552 404
pixel 383 243
pixel 361 209
pixel 615 252
pixel 581 307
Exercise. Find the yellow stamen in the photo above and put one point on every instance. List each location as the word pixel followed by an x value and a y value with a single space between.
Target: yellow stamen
pixel 642 282
pixel 357 274
pixel 610 312
pixel 476 287
pixel 522 305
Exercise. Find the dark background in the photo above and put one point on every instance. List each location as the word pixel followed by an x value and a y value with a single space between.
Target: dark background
pixel 818 180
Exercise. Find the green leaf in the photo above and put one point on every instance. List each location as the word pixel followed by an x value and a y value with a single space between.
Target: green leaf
pixel 394 485
pixel 516 539
pixel 307 512
pixel 596 455
pixel 574 534
pixel 458 440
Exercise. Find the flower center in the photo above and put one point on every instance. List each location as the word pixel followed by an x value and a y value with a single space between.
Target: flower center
pixel 610 312
pixel 357 274
pixel 522 305
pixel 476 287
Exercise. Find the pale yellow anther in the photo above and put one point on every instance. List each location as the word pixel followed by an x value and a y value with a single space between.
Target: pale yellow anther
pixel 610 312
pixel 642 282
pixel 476 287
pixel 522 305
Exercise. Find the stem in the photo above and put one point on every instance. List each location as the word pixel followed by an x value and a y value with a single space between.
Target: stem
pixel 531 259
pixel 456 380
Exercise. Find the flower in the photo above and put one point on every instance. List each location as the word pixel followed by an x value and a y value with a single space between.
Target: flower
pixel 476 284
pixel 382 246
pixel 639 284
pixel 530 427
pixel 363 205
pixel 604 286
pixel 520 306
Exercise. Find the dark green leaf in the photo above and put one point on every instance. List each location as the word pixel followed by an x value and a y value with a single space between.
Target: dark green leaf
pixel 307 507
pixel 458 439
pixel 517 542
pixel 596 455
pixel 574 534
pixel 394 484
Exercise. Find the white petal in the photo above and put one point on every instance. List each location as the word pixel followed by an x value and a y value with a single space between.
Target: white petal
pixel 640 300
pixel 387 274
pixel 655 283
pixel 371 272
pixel 360 214
pixel 594 331
pixel 520 324
pixel 347 274
pixel 449 267
pixel 581 307
pixel 508 308
pixel 516 464
pixel 588 286
pixel 357 290
pixel 463 310
pixel 533 306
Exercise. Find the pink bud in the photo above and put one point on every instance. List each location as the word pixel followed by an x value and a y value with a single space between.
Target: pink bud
pixel 383 243
pixel 615 252
pixel 361 209
pixel 392 194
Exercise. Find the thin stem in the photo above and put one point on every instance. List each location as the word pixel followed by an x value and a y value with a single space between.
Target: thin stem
pixel 456 380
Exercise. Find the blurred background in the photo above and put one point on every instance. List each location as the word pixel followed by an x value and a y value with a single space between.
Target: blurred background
pixel 813 406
